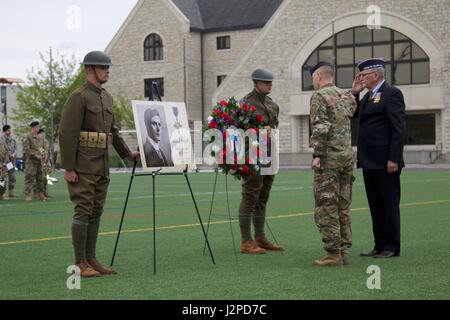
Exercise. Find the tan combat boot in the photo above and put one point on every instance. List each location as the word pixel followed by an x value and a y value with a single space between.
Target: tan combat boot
pixel 86 271
pixel 12 194
pixel 41 196
pixel 331 259
pixel 28 199
pixel 250 247
pixel 97 266
pixel 345 260
pixel 266 244
pixel 2 197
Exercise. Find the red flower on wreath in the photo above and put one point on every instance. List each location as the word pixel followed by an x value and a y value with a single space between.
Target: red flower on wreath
pixel 231 114
pixel 213 125
pixel 245 170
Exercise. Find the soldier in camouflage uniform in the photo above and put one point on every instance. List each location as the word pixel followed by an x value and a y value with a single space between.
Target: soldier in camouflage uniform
pixel 44 148
pixel 256 189
pixel 12 147
pixel 331 111
pixel 87 128
pixel 33 163
pixel 4 159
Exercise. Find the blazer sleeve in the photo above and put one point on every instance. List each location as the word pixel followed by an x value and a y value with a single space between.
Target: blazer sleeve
pixel 395 111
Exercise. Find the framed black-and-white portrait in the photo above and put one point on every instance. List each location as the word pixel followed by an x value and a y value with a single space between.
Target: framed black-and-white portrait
pixel 163 135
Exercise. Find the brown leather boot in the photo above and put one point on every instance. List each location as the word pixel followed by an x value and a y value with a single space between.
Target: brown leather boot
pixel 331 259
pixel 86 271
pixel 250 247
pixel 266 244
pixel 345 260
pixel 97 266
pixel 41 196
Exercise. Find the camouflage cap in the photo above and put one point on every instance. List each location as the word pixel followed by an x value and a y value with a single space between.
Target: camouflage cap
pixel 34 123
pixel 97 58
pixel 262 75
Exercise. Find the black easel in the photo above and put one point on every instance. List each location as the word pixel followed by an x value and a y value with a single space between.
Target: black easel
pixel 154 174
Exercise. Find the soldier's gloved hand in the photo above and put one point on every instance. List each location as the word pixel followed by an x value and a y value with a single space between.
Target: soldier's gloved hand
pixel 71 176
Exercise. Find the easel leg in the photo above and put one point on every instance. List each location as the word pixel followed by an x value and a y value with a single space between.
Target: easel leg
pixel 154 223
pixel 199 217
pixel 210 209
pixel 123 212
pixel 229 216
pixel 273 236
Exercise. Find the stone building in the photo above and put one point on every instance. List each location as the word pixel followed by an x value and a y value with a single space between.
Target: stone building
pixel 201 51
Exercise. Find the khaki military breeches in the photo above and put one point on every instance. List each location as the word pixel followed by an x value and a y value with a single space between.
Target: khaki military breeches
pixel 88 195
pixel 333 197
pixel 255 194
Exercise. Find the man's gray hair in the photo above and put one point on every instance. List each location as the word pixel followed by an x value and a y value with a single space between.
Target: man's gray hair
pixel 381 72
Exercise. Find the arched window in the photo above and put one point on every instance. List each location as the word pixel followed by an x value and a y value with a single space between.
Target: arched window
pixel 153 48
pixel 406 62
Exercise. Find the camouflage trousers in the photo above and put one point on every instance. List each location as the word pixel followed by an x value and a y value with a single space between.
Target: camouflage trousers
pixel 11 179
pixel 3 182
pixel 33 178
pixel 333 197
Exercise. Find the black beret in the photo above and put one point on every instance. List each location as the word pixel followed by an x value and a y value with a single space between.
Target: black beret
pixel 6 127
pixel 320 64
pixel 371 64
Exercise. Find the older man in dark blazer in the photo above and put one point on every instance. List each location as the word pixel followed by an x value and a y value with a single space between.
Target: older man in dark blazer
pixel 381 115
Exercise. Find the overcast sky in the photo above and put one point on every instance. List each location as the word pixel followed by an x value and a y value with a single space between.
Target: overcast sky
pixel 28 27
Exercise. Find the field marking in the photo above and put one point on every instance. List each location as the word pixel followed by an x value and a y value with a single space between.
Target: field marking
pixel 180 226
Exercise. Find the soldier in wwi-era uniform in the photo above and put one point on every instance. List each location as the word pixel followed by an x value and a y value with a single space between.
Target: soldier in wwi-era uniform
pixel 4 159
pixel 333 160
pixel 33 163
pixel 87 128
pixel 256 189
pixel 11 144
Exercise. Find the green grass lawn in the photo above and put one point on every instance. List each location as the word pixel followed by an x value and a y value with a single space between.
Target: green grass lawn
pixel 35 244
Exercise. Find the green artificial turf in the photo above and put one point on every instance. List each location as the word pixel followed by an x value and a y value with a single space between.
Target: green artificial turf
pixel 35 244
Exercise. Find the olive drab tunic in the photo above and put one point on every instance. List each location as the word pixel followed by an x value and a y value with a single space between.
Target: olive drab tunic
pixel 264 106
pixel 256 189
pixel 89 109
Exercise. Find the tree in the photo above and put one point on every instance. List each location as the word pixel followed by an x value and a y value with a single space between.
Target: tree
pixel 48 88
pixel 123 112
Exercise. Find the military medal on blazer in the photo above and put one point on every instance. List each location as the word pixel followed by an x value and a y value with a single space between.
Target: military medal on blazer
pixel 377 98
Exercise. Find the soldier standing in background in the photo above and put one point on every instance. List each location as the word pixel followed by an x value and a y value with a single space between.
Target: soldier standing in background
pixel 33 163
pixel 11 144
pixel 256 189
pixel 333 160
pixel 4 159
pixel 44 147
pixel 87 128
